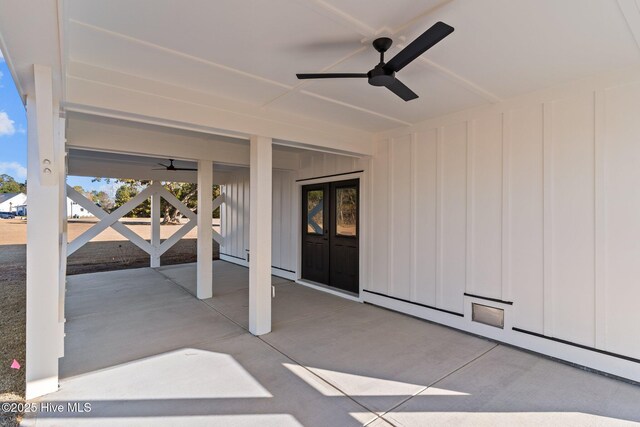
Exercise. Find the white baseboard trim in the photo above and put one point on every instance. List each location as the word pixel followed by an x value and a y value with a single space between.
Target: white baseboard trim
pixel 234 260
pixel 569 353
pixel 285 274
pixel 321 288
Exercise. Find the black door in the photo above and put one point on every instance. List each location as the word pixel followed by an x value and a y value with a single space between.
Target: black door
pixel 330 228
pixel 315 233
pixel 344 236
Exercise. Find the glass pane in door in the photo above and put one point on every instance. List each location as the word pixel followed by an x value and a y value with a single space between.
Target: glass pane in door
pixel 315 210
pixel 346 211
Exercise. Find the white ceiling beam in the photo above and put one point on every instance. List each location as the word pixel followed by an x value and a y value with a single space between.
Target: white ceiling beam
pixel 631 12
pixel 340 16
pixel 400 33
pixel 103 99
pixel 178 53
pixel 401 29
pixel 364 110
pixel 304 83
pixel 456 78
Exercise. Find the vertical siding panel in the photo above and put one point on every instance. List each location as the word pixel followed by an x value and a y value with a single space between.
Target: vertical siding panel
pixel 232 215
pixel 241 217
pixel 246 192
pixel 470 211
pixel 485 206
pixel 599 223
pixel 286 252
pixel 439 212
pixel 380 220
pixel 295 224
pixel 391 220
pixel 400 203
pixel 526 207
pixel 505 210
pixel 223 219
pixel 573 218
pixel 276 208
pixel 622 220
pixel 413 195
pixel 425 219
pixel 548 319
pixel 454 201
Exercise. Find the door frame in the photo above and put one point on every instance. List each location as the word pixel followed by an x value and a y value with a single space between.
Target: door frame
pixel 363 232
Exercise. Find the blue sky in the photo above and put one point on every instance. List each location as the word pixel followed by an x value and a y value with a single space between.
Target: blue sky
pixel 13 136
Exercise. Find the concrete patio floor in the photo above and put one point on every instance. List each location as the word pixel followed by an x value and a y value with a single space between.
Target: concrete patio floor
pixel 143 351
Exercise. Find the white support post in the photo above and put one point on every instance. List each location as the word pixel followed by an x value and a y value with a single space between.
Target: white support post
pixel 205 236
pixel 260 235
pixel 155 229
pixel 45 332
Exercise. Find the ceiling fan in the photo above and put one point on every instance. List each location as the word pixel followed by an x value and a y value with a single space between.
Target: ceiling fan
pixel 170 167
pixel 384 74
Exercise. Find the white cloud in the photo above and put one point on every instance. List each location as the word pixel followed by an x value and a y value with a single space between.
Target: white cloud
pixel 1 56
pixel 14 169
pixel 6 124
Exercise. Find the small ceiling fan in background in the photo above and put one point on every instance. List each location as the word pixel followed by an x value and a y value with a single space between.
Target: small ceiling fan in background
pixel 384 74
pixel 170 167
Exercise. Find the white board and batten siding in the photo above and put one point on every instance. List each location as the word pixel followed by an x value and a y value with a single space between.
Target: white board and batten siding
pixel 235 221
pixel 535 201
pixel 286 209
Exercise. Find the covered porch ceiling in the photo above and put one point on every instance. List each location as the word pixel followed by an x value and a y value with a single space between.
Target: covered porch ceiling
pixel 230 66
pixel 116 148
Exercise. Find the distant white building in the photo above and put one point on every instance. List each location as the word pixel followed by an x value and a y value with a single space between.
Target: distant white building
pixel 17 203
pixel 74 210
pixel 9 202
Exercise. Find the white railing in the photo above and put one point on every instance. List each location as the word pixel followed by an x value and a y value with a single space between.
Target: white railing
pixel 113 220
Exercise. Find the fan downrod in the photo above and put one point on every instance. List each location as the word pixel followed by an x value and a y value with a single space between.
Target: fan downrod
pixel 379 76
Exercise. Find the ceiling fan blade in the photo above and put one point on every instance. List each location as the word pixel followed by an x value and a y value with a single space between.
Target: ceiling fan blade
pixel 332 76
pixel 419 46
pixel 402 90
pixel 159 169
pixel 164 166
pixel 184 169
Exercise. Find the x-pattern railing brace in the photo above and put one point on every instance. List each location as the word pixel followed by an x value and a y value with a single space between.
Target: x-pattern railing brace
pixel 112 220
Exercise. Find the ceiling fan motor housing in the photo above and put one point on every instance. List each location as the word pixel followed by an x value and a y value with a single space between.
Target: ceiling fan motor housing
pixel 381 77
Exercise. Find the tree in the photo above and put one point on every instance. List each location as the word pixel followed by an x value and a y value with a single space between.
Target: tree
pixel 9 185
pixel 186 192
pixel 102 199
pixel 127 191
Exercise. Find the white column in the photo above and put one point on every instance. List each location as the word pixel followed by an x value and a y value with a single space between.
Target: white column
pixel 260 236
pixel 155 229
pixel 205 230
pixel 44 163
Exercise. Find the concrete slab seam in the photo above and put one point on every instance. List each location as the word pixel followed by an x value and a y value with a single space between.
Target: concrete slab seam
pixel 436 382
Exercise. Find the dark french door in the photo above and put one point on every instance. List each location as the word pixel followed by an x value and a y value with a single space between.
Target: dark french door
pixel 330 227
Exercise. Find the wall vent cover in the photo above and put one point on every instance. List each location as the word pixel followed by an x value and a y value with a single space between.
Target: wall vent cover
pixel 488 315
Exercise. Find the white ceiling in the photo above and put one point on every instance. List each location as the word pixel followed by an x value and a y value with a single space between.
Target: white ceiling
pixel 249 51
